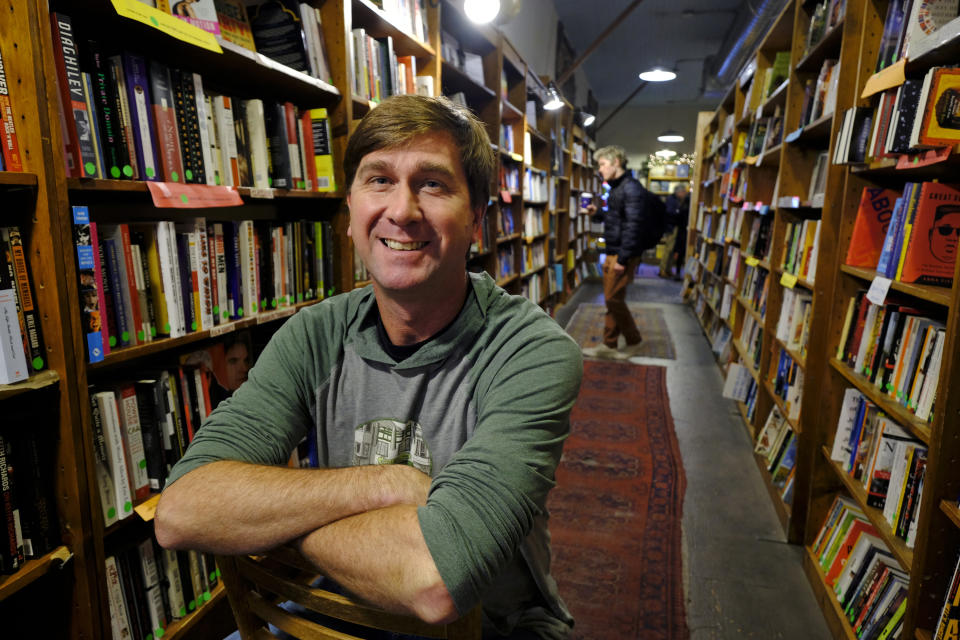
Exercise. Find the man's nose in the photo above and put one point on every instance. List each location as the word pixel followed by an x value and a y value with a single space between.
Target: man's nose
pixel 404 206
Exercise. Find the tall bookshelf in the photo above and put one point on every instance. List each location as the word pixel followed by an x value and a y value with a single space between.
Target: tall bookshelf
pixel 777 189
pixel 70 582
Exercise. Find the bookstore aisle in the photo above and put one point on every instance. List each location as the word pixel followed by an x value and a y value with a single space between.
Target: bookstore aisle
pixel 742 578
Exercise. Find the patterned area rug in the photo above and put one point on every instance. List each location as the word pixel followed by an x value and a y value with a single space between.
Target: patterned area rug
pixel 586 327
pixel 615 515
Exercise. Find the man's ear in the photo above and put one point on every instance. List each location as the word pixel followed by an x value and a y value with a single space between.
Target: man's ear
pixel 349 226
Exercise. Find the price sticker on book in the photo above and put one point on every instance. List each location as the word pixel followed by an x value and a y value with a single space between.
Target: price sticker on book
pixel 170 25
pixel 261 192
pixel 879 289
pixel 788 280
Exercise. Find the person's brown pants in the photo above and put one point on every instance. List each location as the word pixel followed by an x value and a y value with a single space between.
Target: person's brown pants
pixel 618 320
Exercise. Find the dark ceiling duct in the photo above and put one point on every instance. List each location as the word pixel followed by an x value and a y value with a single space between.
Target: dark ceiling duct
pixel 752 23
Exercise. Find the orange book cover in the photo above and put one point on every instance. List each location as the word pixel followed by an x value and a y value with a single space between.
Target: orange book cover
pixel 870 227
pixel 840 560
pixel 941 116
pixel 932 251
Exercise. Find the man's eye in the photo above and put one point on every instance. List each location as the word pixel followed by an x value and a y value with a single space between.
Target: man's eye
pixel 379 180
pixel 433 184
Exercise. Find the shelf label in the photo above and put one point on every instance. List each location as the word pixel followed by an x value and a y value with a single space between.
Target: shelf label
pixel 892 76
pixel 168 24
pixel 879 289
pixel 148 508
pixel 788 280
pixel 261 192
pixel 752 261
pixel 173 195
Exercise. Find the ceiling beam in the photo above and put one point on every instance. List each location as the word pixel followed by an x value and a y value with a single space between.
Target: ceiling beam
pixel 639 88
pixel 596 43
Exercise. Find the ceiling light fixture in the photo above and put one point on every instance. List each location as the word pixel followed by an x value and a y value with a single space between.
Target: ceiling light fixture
pixel 670 136
pixel 658 74
pixel 554 101
pixel 587 119
pixel 481 11
pixel 665 153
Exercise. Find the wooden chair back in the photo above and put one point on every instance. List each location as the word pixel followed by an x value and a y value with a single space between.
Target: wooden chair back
pixel 257 586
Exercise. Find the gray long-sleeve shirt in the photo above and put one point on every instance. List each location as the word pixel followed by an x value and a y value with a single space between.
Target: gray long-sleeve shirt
pixel 483 408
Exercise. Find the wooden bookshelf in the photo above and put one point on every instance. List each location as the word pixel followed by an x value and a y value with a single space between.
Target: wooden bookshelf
pixel 854 42
pixel 32 571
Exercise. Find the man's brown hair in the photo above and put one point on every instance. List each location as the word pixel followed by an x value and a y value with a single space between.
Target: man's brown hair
pixel 399 119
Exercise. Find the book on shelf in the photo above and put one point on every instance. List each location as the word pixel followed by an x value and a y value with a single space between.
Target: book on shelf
pixel 891 40
pixel 948 620
pixel 937 123
pixel 13 356
pixel 235 23
pixel 925 18
pixel 15 259
pixel 199 13
pixel 10 155
pixel 78 138
pixel 870 225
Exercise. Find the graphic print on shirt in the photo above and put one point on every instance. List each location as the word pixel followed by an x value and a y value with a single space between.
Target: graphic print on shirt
pixel 388 441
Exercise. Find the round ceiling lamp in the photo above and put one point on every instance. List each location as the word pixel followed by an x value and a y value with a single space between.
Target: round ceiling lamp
pixel 658 74
pixel 670 136
pixel 481 11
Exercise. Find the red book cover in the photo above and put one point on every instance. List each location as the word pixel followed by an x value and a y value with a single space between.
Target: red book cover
pixel 165 119
pixel 138 324
pixel 306 127
pixel 932 251
pixel 870 227
pixel 185 401
pixel 98 282
pixel 11 148
pixel 293 145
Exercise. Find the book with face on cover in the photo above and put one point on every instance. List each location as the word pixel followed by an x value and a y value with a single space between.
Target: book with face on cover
pixel 931 253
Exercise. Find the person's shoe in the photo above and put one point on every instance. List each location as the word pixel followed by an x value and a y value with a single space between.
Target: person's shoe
pixel 601 351
pixel 630 350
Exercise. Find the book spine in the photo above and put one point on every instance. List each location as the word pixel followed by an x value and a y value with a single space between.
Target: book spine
pixel 276 132
pixel 150 577
pixel 132 433
pixel 105 105
pixel 257 138
pixel 137 87
pixel 220 266
pixel 119 93
pixel 150 434
pixel 119 619
pixel 203 125
pixel 186 280
pixel 223 112
pixel 77 139
pixel 165 118
pixel 88 96
pixel 194 137
pixel 322 152
pixel 11 146
pixel 116 455
pixel 293 145
pixel 13 363
pixel 24 287
pixel 248 267
pixel 108 498
pixel 171 571
pixel 12 555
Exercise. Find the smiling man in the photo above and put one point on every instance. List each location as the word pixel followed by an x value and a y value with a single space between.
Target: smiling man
pixel 437 403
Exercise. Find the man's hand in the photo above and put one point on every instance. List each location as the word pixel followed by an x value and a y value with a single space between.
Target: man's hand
pixel 615 264
pixel 591 209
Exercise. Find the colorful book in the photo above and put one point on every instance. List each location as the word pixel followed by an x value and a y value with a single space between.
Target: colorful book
pixel 8 131
pixel 932 251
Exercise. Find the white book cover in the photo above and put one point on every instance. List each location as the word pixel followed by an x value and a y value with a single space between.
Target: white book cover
pixel 151 582
pixel 257 138
pixel 924 19
pixel 133 440
pixel 13 358
pixel 108 497
pixel 220 264
pixel 848 415
pixel 199 13
pixel 248 267
pixel 898 476
pixel 203 274
pixel 169 275
pixel 203 118
pixel 213 137
pixel 116 457
pixel 223 114
pixel 857 555
pixel 119 620
pixel 929 391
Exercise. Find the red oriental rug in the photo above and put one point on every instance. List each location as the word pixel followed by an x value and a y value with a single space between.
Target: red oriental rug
pixel 615 512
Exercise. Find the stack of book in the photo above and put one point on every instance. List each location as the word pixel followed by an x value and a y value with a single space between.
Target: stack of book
pixel 897 348
pixel 915 241
pixel 870 585
pixel 128 117
pixel 886 460
pixel 147 279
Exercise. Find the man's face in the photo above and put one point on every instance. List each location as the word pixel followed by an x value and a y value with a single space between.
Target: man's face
pixel 410 216
pixel 944 237
pixel 608 168
pixel 238 365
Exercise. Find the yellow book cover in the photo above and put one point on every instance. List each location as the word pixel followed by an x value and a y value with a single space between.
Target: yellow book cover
pixel 156 281
pixel 741 149
pixel 322 150
pixel 907 233
pixel 807 249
